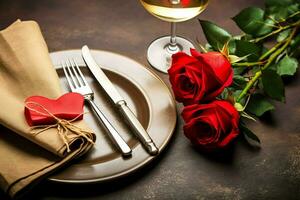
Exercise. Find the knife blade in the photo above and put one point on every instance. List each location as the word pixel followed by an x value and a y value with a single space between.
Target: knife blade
pixel 119 101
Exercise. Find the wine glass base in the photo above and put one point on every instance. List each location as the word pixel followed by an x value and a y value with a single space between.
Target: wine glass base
pixel 158 55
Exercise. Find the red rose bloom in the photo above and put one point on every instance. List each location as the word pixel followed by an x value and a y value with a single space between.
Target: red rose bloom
pixel 200 77
pixel 211 126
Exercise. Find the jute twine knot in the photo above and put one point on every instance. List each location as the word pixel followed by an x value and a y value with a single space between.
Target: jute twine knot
pixel 63 126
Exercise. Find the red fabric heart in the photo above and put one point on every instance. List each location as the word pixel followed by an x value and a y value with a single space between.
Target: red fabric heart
pixel 68 106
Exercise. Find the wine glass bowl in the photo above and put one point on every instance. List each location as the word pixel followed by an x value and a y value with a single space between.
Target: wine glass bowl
pixel 174 10
pixel 160 50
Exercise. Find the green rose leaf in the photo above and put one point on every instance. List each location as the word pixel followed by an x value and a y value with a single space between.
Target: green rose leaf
pixel 287 66
pixel 238 70
pixel 281 9
pixel 236 93
pixel 215 35
pixel 232 46
pixel 250 137
pixel 295 43
pixel 273 85
pixel 251 21
pixel 239 82
pixel 245 48
pixel 258 105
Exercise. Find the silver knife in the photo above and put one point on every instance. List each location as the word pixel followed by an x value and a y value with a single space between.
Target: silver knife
pixel 118 100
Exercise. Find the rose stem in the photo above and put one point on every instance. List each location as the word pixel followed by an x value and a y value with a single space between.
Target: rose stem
pixel 289 17
pixel 269 61
pixel 265 55
pixel 261 60
pixel 280 29
pixel 248 64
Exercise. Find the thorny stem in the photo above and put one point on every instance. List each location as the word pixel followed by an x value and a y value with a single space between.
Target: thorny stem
pixel 265 55
pixel 269 62
pixel 280 29
pixel 248 64
pixel 261 60
pixel 289 17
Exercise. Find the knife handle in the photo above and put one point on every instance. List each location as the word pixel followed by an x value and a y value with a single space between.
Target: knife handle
pixel 138 129
pixel 113 134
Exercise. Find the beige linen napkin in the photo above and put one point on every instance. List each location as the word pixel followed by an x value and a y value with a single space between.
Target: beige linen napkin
pixel 26 70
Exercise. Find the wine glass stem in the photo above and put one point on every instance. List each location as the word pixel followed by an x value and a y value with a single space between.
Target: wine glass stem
pixel 172 46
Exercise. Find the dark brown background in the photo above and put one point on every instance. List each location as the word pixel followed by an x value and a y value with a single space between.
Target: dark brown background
pixel 180 172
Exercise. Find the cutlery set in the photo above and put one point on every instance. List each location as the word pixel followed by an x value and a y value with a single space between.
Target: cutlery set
pixel 78 84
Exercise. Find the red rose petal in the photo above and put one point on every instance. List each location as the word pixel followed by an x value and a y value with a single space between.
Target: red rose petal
pixel 221 118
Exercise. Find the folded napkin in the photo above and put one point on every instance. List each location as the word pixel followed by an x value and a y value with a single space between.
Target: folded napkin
pixel 26 70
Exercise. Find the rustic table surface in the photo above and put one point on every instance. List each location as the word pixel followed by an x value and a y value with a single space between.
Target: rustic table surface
pixel 180 172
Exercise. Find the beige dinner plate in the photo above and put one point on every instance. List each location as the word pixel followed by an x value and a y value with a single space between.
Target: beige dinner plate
pixel 147 96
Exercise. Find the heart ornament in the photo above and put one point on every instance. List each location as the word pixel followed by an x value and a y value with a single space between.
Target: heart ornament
pixel 40 110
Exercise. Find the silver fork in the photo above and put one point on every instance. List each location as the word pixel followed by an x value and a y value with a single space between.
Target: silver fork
pixel 78 83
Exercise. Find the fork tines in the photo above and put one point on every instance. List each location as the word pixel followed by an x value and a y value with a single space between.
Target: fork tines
pixel 72 70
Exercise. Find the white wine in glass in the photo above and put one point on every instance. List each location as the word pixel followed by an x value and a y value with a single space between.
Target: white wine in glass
pixel 160 50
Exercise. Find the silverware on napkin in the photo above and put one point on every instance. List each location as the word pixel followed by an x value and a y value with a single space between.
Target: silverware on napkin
pixel 119 101
pixel 78 83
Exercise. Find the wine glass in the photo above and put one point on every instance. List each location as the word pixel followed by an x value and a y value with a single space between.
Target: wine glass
pixel 160 50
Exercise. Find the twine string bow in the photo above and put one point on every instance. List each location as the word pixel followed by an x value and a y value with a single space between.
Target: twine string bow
pixel 63 126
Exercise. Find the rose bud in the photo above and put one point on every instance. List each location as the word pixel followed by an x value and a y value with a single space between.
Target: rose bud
pixel 200 77
pixel 211 126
